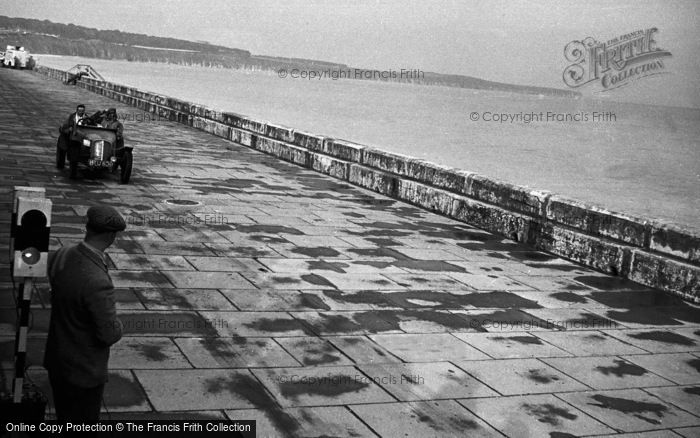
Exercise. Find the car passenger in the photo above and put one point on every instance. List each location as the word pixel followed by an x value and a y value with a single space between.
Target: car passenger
pixel 111 122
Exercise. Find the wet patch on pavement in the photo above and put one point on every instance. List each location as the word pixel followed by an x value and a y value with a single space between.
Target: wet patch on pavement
pixel 540 377
pixel 525 340
pixel 642 410
pixel 548 413
pixel 665 337
pixel 621 369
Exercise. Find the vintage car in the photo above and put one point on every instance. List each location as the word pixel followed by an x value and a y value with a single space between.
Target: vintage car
pixel 99 149
pixel 17 57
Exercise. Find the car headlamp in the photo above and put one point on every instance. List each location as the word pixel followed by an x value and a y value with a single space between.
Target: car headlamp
pixel 86 142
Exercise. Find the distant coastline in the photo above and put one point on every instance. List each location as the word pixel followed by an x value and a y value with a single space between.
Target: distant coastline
pixel 70 40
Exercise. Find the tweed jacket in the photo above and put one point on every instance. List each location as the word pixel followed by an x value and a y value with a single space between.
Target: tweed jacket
pixel 84 320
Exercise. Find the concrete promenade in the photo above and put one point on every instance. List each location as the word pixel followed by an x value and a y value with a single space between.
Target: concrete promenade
pixel 251 288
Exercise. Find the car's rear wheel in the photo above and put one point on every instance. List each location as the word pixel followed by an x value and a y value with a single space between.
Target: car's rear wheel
pixel 60 158
pixel 126 165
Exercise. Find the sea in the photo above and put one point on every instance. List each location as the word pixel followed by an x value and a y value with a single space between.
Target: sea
pixel 636 159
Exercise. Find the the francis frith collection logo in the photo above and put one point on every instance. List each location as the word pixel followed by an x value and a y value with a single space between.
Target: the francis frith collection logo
pixel 616 62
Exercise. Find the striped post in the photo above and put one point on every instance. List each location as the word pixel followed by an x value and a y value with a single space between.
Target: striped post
pixel 29 234
pixel 24 299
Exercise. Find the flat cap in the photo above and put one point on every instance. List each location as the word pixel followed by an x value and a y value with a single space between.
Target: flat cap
pixel 103 218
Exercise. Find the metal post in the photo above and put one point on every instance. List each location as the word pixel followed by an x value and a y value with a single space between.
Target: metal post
pixel 24 299
pixel 29 243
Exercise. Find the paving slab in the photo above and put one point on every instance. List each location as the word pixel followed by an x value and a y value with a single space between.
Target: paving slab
pixel 207 280
pixel 606 372
pixel 553 283
pixel 198 236
pixel 340 266
pixel 263 324
pixel 640 317
pixel 489 282
pixel 230 250
pixel 681 368
pixel 169 248
pixel 534 415
pixel 333 299
pixel 561 299
pixel 192 299
pixel 336 323
pixel 262 299
pixel 288 280
pixel 318 240
pixel 685 397
pixel 554 267
pixel 638 298
pixel 428 254
pixel 630 410
pixel 362 350
pixel 445 418
pixel 506 320
pixel 588 343
pixel 227 264
pixel 426 321
pixel 146 353
pixel 140 278
pixel 316 422
pixel 151 261
pixel 426 381
pixel 511 345
pixel 361 281
pixel 235 352
pixel 428 347
pixel 292 251
pixel 426 281
pixel 313 351
pixel 320 386
pixel 199 389
pixel 658 340
pixel 575 319
pixel 688 432
pixel 521 376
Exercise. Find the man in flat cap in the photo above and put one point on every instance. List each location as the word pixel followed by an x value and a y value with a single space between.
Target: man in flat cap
pixel 84 320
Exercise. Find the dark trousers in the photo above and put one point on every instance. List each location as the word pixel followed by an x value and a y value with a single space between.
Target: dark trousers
pixel 73 152
pixel 75 404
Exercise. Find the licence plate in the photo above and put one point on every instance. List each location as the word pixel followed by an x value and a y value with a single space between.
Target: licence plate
pixel 99 163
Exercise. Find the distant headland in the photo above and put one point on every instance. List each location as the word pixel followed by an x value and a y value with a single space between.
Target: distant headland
pixel 43 36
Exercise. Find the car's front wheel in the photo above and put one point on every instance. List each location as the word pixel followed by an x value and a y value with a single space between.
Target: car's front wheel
pixel 126 164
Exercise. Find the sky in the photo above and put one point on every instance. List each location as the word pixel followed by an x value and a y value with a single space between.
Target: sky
pixel 519 42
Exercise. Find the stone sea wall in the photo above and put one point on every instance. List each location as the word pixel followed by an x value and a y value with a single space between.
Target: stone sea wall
pixel 644 251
